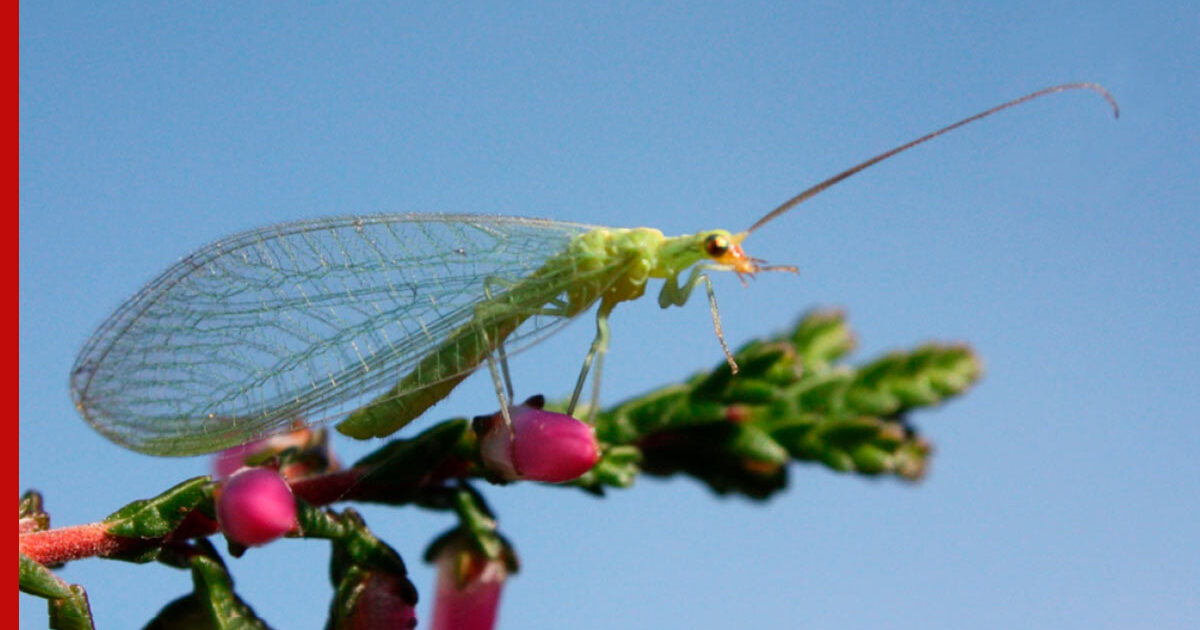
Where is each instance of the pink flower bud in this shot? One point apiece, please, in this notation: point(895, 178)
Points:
point(542, 446)
point(468, 590)
point(256, 506)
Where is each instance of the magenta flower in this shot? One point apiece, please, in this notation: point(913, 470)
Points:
point(256, 506)
point(542, 446)
point(468, 589)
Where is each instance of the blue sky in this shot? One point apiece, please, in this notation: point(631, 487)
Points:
point(1063, 245)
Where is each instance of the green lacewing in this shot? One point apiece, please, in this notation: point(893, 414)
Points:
point(375, 318)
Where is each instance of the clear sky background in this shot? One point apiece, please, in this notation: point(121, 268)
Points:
point(1063, 245)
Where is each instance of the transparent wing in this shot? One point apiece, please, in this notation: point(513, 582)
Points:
point(300, 320)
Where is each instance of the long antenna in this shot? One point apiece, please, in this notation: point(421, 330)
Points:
point(813, 191)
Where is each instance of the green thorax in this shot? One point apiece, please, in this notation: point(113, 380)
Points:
point(615, 263)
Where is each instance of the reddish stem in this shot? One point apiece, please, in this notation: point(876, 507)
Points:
point(64, 544)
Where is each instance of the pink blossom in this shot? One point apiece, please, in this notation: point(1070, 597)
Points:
point(542, 446)
point(468, 589)
point(256, 506)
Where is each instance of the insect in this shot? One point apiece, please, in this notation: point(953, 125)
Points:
point(312, 319)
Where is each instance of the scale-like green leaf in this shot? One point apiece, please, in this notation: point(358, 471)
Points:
point(159, 516)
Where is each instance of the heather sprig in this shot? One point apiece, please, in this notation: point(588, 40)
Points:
point(794, 399)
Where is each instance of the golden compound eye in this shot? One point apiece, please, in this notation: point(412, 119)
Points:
point(716, 245)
